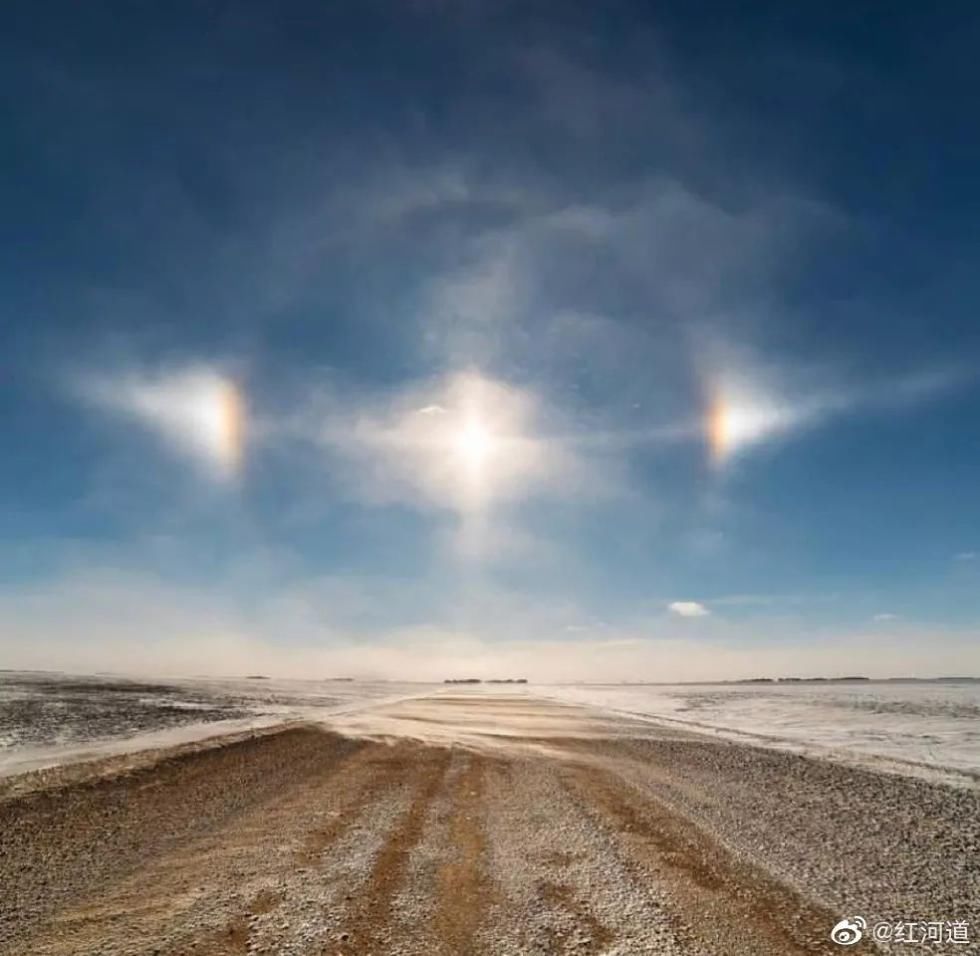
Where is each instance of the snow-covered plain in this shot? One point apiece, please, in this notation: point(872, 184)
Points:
point(929, 728)
point(897, 725)
point(48, 719)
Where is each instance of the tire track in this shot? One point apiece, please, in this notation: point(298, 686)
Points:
point(372, 773)
point(235, 939)
point(563, 890)
point(67, 853)
point(204, 895)
point(587, 935)
point(728, 904)
point(463, 891)
point(366, 778)
point(368, 923)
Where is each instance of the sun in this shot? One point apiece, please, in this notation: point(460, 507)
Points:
point(474, 444)
point(468, 443)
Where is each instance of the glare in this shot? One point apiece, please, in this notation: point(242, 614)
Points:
point(474, 443)
point(467, 443)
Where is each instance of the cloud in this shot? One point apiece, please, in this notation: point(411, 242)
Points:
point(966, 556)
point(498, 538)
point(885, 616)
point(668, 252)
point(770, 600)
point(688, 609)
point(198, 410)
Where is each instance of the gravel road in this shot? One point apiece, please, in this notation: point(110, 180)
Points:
point(476, 824)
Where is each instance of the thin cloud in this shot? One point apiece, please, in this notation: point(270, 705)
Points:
point(770, 600)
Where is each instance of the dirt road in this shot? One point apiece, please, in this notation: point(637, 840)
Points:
point(471, 825)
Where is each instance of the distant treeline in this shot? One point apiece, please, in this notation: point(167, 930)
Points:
point(794, 680)
point(477, 680)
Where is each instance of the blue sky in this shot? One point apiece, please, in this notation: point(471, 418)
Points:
point(437, 338)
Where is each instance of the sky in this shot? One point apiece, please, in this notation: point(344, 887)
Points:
point(437, 339)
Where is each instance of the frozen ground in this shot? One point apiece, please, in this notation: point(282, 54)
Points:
point(903, 726)
point(915, 728)
point(48, 719)
point(53, 709)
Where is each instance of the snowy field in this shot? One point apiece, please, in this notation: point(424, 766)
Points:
point(898, 725)
point(907, 727)
point(47, 719)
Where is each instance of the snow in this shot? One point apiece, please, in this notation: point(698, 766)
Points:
point(896, 725)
